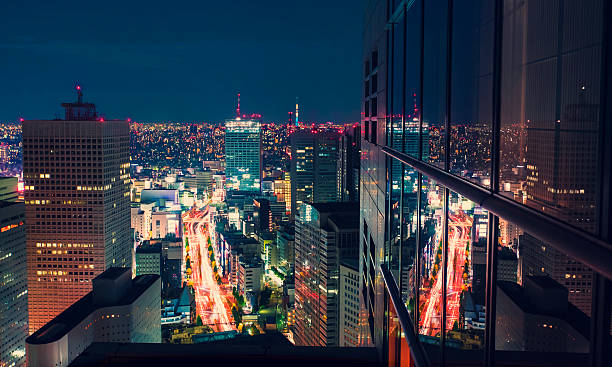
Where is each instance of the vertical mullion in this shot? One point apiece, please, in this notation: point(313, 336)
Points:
point(417, 265)
point(449, 55)
point(449, 52)
point(600, 354)
point(491, 291)
point(493, 221)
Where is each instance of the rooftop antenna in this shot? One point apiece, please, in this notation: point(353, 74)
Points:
point(238, 108)
point(80, 94)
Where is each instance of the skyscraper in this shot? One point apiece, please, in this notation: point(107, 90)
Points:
point(325, 235)
point(13, 286)
point(348, 163)
point(76, 174)
point(314, 160)
point(243, 153)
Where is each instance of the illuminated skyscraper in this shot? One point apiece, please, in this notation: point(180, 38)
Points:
point(314, 167)
point(76, 174)
point(325, 235)
point(243, 152)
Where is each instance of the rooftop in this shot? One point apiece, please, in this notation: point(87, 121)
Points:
point(73, 315)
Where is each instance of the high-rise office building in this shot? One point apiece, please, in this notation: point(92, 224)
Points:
point(314, 167)
point(13, 286)
point(349, 155)
point(118, 309)
point(76, 173)
point(243, 154)
point(325, 235)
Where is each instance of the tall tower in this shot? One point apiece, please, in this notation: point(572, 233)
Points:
point(76, 174)
point(314, 168)
point(297, 111)
point(243, 152)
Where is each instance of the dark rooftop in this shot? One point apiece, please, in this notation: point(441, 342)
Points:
point(252, 351)
point(111, 273)
point(573, 316)
point(73, 315)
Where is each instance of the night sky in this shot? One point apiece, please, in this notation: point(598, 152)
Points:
point(182, 60)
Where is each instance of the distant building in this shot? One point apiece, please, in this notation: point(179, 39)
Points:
point(118, 309)
point(149, 258)
point(13, 287)
point(282, 190)
point(349, 158)
point(243, 154)
point(8, 189)
point(325, 233)
point(314, 168)
point(85, 227)
point(537, 317)
point(250, 275)
point(172, 259)
point(178, 306)
point(285, 243)
point(202, 180)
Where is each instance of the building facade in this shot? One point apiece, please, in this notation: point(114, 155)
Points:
point(76, 173)
point(314, 168)
point(483, 135)
point(243, 154)
point(118, 309)
point(13, 287)
point(325, 234)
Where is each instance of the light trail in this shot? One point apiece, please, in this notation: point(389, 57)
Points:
point(459, 230)
point(210, 299)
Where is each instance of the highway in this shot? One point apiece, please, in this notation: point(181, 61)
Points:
point(211, 299)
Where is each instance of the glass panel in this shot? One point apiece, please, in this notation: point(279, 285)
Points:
point(393, 335)
point(543, 299)
point(398, 84)
point(434, 81)
point(409, 230)
point(394, 218)
point(466, 276)
point(405, 357)
point(471, 90)
point(430, 253)
point(413, 77)
point(550, 107)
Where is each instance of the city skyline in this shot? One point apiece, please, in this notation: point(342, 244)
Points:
point(149, 62)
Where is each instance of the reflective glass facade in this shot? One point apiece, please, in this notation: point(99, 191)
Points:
point(485, 189)
point(243, 154)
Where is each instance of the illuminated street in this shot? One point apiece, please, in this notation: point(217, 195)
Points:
point(459, 229)
point(211, 301)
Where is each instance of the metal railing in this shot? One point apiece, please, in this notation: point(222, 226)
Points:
point(419, 358)
point(581, 246)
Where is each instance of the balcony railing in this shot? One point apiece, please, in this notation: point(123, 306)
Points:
point(403, 347)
